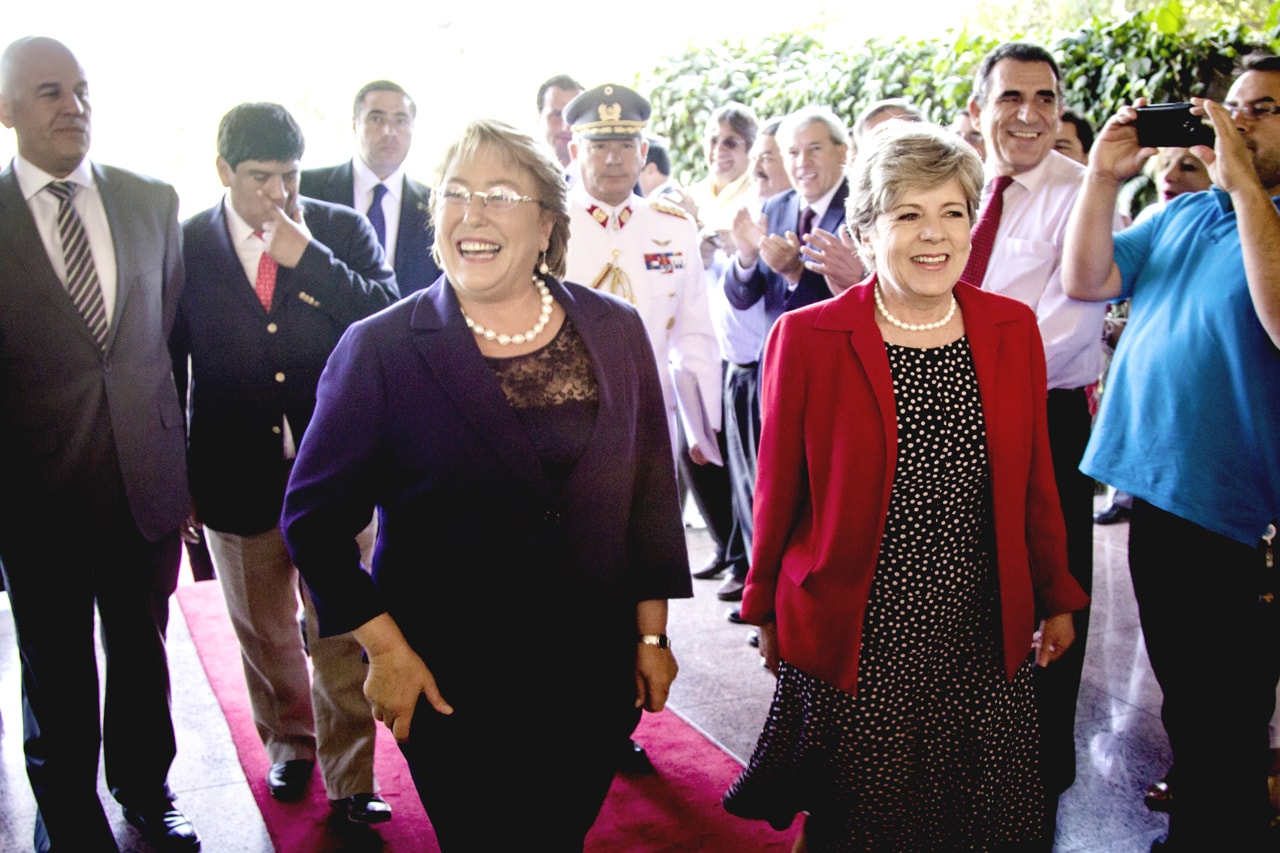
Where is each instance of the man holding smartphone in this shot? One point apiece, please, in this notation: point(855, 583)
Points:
point(1190, 425)
point(273, 280)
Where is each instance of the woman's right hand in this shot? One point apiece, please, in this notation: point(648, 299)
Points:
point(397, 676)
point(769, 646)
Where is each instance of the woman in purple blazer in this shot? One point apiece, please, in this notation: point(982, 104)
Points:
point(510, 431)
point(908, 535)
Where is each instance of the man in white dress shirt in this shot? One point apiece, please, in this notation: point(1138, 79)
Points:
point(1017, 104)
point(374, 182)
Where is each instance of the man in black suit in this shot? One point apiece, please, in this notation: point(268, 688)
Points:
point(273, 280)
point(374, 183)
point(91, 455)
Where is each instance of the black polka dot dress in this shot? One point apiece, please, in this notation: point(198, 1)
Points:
point(938, 750)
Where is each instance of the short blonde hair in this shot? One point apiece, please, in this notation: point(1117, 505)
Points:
point(519, 149)
point(902, 156)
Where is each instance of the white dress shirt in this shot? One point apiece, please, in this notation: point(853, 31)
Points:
point(1026, 264)
point(87, 202)
point(363, 181)
point(741, 333)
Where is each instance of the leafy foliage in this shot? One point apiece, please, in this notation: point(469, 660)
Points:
point(1198, 18)
point(1105, 64)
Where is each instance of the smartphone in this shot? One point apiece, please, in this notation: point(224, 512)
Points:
point(1172, 126)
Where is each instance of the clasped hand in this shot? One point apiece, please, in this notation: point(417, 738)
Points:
point(835, 258)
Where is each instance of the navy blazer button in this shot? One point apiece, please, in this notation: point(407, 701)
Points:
point(551, 517)
point(272, 328)
point(276, 430)
point(279, 377)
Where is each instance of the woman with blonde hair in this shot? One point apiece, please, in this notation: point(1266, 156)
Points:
point(908, 535)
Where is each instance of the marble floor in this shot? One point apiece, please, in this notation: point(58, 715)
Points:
point(722, 690)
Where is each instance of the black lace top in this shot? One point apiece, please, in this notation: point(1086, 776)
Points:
point(555, 395)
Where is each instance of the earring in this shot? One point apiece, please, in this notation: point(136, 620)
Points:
point(542, 264)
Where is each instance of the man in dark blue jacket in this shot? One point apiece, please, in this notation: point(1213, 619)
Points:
point(273, 280)
point(374, 182)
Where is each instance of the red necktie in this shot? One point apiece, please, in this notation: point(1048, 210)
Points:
point(265, 285)
point(983, 238)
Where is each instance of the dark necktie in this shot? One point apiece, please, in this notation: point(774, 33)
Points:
point(82, 276)
point(376, 219)
point(806, 222)
point(265, 284)
point(983, 238)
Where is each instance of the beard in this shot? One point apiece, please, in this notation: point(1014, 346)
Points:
point(1267, 165)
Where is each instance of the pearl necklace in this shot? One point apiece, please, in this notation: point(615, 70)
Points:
point(544, 317)
point(913, 327)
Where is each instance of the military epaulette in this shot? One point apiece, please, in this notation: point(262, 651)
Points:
point(669, 208)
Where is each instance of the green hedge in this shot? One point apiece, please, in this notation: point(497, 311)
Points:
point(1104, 64)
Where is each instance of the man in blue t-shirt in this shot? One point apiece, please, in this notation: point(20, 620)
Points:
point(1190, 425)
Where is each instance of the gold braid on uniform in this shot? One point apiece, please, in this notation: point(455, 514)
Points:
point(613, 279)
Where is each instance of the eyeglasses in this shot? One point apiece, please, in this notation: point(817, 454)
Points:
point(1255, 111)
point(501, 198)
point(733, 143)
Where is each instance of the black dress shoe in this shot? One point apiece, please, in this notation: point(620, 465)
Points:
point(730, 590)
point(1111, 515)
point(713, 569)
point(164, 827)
point(634, 759)
point(287, 780)
point(364, 808)
point(735, 616)
point(1159, 796)
point(753, 639)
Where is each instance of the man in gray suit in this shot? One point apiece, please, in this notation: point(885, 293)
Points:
point(91, 455)
point(374, 182)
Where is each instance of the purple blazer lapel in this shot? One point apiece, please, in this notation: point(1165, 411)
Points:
point(448, 347)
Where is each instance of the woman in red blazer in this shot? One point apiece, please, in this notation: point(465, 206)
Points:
point(908, 534)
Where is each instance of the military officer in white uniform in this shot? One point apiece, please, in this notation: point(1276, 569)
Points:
point(645, 251)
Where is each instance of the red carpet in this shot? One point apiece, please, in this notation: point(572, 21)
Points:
point(677, 808)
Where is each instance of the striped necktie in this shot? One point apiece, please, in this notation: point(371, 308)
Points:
point(82, 276)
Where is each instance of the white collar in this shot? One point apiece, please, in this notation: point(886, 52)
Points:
point(363, 180)
point(32, 179)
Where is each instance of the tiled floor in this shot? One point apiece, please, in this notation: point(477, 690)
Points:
point(722, 690)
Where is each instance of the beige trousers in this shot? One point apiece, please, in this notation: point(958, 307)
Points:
point(322, 717)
